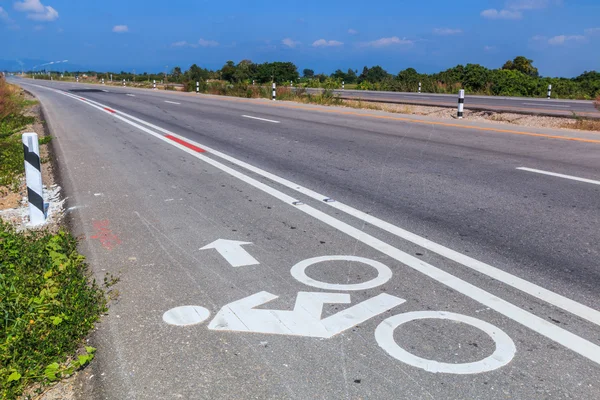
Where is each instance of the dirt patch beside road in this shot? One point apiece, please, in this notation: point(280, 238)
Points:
point(505, 118)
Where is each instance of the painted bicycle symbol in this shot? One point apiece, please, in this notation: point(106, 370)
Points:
point(305, 319)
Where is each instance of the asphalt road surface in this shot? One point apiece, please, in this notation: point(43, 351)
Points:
point(271, 250)
point(559, 107)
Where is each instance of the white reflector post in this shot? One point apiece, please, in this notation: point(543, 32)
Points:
point(33, 176)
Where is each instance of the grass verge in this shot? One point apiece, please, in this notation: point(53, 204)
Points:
point(47, 303)
point(48, 306)
point(12, 121)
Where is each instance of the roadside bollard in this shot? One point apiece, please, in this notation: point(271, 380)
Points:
point(111, 78)
point(103, 81)
point(252, 82)
point(343, 85)
point(123, 82)
point(274, 91)
point(154, 84)
point(419, 87)
point(549, 91)
point(33, 177)
point(77, 79)
point(197, 87)
point(461, 103)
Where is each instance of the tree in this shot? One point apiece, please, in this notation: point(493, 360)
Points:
point(308, 73)
point(339, 75)
point(522, 64)
point(228, 71)
point(176, 74)
point(244, 71)
point(351, 76)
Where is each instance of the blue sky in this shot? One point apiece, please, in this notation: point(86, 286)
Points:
point(561, 36)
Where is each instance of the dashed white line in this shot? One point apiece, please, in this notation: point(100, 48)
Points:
point(171, 102)
point(545, 105)
point(131, 95)
point(571, 177)
point(260, 119)
point(105, 91)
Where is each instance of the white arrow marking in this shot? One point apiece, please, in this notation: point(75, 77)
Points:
point(232, 251)
point(305, 319)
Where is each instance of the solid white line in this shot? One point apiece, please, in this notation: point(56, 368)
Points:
point(131, 95)
point(105, 91)
point(542, 326)
point(261, 119)
point(171, 102)
point(530, 288)
point(545, 105)
point(573, 178)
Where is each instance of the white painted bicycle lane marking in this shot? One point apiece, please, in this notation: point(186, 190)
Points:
point(502, 355)
point(304, 319)
point(527, 319)
point(233, 252)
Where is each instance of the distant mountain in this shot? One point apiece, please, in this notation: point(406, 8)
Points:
point(27, 64)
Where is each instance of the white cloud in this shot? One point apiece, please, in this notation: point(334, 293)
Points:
point(326, 43)
point(492, 13)
point(489, 48)
point(4, 16)
point(388, 41)
point(446, 31)
point(182, 43)
point(207, 43)
point(539, 38)
point(352, 31)
point(36, 10)
point(120, 28)
point(290, 43)
point(563, 39)
point(30, 5)
point(592, 31)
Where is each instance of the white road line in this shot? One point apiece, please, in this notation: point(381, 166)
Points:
point(261, 119)
point(516, 282)
point(573, 178)
point(131, 95)
point(545, 105)
point(540, 325)
point(105, 91)
point(171, 102)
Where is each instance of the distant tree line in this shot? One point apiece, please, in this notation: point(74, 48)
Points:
point(516, 77)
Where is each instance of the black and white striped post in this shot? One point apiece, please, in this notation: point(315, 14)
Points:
point(549, 91)
point(343, 85)
point(154, 84)
point(419, 87)
point(77, 79)
point(252, 82)
point(274, 91)
point(197, 87)
point(103, 81)
point(111, 78)
point(123, 82)
point(33, 176)
point(461, 103)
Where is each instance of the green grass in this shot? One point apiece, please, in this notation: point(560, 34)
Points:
point(48, 306)
point(12, 121)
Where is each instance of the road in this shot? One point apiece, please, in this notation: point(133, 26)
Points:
point(552, 107)
point(272, 250)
